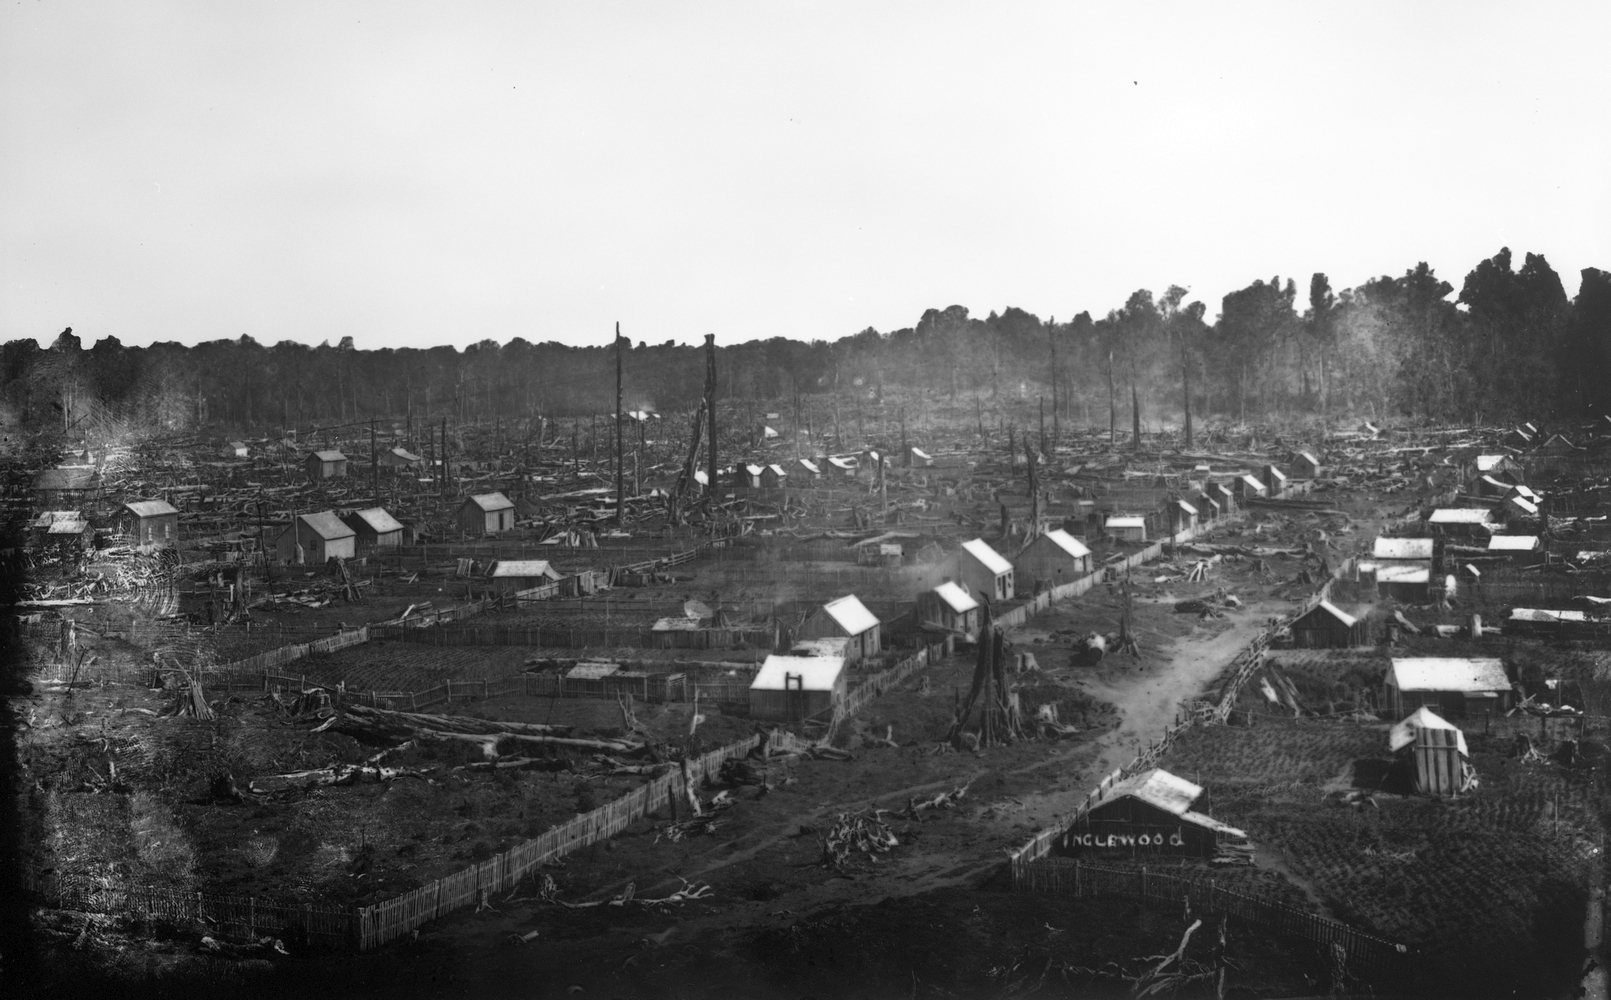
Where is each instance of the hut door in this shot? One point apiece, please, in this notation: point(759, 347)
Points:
point(794, 696)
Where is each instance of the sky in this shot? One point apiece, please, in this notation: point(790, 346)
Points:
point(419, 174)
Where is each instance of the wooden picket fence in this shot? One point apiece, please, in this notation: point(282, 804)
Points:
point(1365, 952)
point(571, 638)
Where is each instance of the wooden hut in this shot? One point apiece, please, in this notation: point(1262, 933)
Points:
point(791, 688)
point(374, 528)
point(1126, 528)
point(1416, 549)
point(237, 449)
point(400, 459)
point(1435, 749)
point(1182, 516)
point(326, 464)
point(845, 617)
point(1051, 559)
point(1461, 522)
point(917, 458)
point(774, 477)
point(1326, 626)
point(950, 607)
point(486, 514)
point(1226, 496)
point(1249, 487)
point(150, 522)
point(509, 575)
point(985, 570)
point(1307, 464)
point(1456, 687)
point(312, 539)
point(1275, 481)
point(1148, 814)
point(806, 470)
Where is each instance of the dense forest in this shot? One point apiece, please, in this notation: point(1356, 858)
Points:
point(1508, 344)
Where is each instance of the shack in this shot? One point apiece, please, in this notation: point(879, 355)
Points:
point(374, 528)
point(1275, 481)
point(509, 575)
point(845, 617)
point(311, 539)
point(792, 688)
point(1208, 508)
point(1418, 549)
point(1249, 487)
point(1435, 750)
point(807, 470)
point(1405, 581)
point(773, 477)
point(950, 607)
point(150, 522)
point(1455, 687)
point(1462, 522)
point(1182, 516)
point(237, 449)
point(1326, 626)
point(1307, 465)
point(1226, 497)
point(1518, 439)
point(1054, 558)
point(329, 464)
point(486, 514)
point(917, 458)
point(984, 570)
point(1520, 549)
point(400, 458)
point(840, 468)
point(1149, 813)
point(1126, 528)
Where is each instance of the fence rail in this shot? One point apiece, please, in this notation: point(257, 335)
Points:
point(1072, 877)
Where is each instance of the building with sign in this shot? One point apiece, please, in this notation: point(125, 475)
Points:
point(1148, 813)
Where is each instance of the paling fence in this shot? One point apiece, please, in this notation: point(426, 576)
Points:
point(573, 638)
point(876, 684)
point(1073, 877)
point(365, 927)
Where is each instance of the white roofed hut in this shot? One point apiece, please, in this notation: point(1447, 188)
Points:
point(917, 458)
point(486, 514)
point(1250, 488)
point(846, 618)
point(1520, 549)
point(1454, 687)
point(1419, 549)
point(1326, 626)
point(1307, 465)
point(314, 539)
point(1436, 752)
point(1406, 581)
point(1182, 516)
point(151, 523)
point(1275, 481)
point(400, 458)
point(1148, 814)
point(985, 571)
point(1126, 528)
point(374, 528)
point(950, 607)
point(774, 476)
point(1226, 496)
point(1462, 522)
point(507, 576)
point(327, 464)
point(792, 688)
point(806, 470)
point(1050, 560)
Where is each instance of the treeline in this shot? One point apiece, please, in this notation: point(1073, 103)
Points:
point(1508, 344)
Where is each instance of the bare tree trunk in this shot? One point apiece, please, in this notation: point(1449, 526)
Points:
point(1113, 407)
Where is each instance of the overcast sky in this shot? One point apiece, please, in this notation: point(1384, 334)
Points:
point(414, 174)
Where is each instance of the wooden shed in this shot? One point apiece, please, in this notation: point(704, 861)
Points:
point(1126, 528)
point(1249, 487)
point(774, 477)
point(237, 449)
point(791, 688)
point(1275, 481)
point(984, 570)
point(917, 458)
point(806, 470)
point(1326, 626)
point(1307, 464)
point(150, 522)
point(1404, 580)
point(1208, 508)
point(1226, 497)
point(1456, 687)
point(845, 617)
point(1461, 522)
point(1182, 516)
point(312, 539)
point(509, 575)
point(327, 464)
point(400, 458)
point(374, 528)
point(486, 514)
point(1148, 814)
point(1435, 750)
point(1417, 549)
point(951, 607)
point(1051, 559)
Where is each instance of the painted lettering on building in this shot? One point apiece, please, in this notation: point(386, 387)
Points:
point(1155, 839)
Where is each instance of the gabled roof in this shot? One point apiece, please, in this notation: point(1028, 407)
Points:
point(1328, 608)
point(842, 463)
point(1402, 548)
point(851, 614)
point(491, 501)
point(816, 673)
point(1309, 456)
point(1449, 673)
point(1403, 734)
point(1512, 543)
point(1126, 522)
point(68, 526)
point(810, 466)
point(237, 444)
point(1461, 515)
point(378, 519)
point(1159, 788)
point(955, 597)
point(1488, 463)
point(987, 557)
point(523, 568)
point(1523, 504)
point(1248, 480)
point(1067, 542)
point(776, 470)
point(405, 455)
point(329, 456)
point(1403, 572)
point(151, 508)
point(1277, 473)
point(327, 525)
point(754, 470)
point(1188, 508)
point(919, 452)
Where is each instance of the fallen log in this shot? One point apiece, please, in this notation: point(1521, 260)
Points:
point(340, 774)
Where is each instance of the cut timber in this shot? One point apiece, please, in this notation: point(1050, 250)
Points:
point(379, 725)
